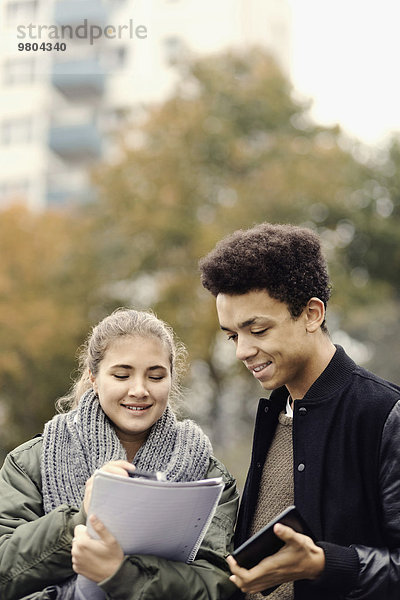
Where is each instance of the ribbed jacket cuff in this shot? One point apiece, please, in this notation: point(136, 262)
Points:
point(341, 570)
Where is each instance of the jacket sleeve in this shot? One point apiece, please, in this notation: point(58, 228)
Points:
point(146, 577)
point(35, 549)
point(377, 569)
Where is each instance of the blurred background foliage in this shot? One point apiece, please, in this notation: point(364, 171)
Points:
point(231, 147)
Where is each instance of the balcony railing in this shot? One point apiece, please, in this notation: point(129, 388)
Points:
point(79, 78)
point(74, 12)
point(76, 142)
point(62, 196)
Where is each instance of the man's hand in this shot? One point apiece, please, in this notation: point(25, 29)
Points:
point(96, 559)
point(299, 558)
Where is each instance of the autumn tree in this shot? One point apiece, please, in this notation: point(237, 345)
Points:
point(368, 265)
point(231, 147)
point(48, 284)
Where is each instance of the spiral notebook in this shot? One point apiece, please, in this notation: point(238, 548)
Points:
point(165, 518)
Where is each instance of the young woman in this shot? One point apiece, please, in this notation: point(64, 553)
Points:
point(119, 417)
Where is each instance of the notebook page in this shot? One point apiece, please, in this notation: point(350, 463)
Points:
point(153, 517)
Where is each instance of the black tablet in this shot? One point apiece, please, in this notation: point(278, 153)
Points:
point(265, 542)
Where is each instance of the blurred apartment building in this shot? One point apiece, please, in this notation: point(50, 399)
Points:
point(60, 107)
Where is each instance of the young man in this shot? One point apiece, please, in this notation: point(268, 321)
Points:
point(328, 437)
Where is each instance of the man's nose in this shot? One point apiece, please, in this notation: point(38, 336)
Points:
point(245, 348)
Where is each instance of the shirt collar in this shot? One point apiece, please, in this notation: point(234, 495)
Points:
point(288, 409)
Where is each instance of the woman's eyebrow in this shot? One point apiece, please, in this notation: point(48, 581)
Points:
point(152, 368)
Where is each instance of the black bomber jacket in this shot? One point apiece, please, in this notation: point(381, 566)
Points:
point(346, 451)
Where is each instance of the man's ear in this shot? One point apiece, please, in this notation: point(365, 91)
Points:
point(315, 314)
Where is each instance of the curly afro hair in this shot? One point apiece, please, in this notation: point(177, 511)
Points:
point(284, 260)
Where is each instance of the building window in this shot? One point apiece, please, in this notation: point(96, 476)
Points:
point(115, 58)
point(18, 71)
point(22, 9)
point(16, 131)
point(13, 189)
point(116, 4)
point(173, 49)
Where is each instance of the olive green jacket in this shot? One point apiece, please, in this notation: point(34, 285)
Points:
point(35, 549)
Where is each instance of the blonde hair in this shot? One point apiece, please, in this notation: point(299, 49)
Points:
point(124, 322)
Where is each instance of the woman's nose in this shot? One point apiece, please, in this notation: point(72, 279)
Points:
point(137, 389)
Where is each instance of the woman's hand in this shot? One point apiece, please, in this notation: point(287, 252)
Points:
point(96, 559)
point(119, 467)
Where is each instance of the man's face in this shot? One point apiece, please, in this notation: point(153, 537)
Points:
point(276, 348)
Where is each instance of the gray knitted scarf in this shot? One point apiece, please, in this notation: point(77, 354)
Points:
point(77, 443)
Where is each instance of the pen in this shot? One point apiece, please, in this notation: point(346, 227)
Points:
point(154, 475)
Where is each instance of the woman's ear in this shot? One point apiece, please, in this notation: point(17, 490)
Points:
point(315, 314)
point(93, 381)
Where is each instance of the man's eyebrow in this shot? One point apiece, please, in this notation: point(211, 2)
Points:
point(244, 324)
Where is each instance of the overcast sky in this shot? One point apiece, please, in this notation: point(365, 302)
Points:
point(346, 55)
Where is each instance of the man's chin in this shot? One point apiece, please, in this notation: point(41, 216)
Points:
point(269, 386)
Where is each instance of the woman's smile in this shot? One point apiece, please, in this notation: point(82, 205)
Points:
point(133, 384)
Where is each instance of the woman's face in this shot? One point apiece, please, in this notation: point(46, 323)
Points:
point(133, 385)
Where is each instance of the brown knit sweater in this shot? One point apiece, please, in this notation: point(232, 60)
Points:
point(276, 492)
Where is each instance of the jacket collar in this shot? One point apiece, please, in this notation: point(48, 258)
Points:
point(332, 379)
